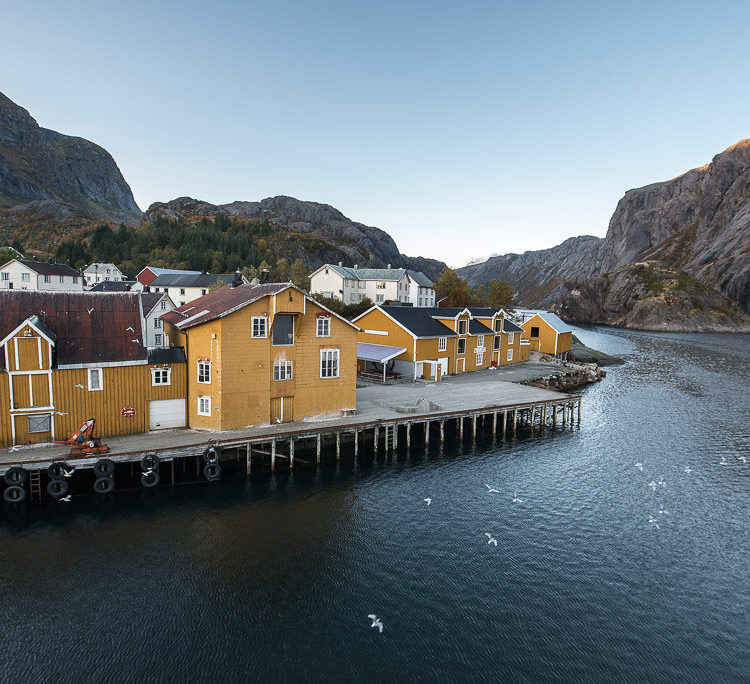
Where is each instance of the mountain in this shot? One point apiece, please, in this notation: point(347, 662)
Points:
point(697, 224)
point(45, 173)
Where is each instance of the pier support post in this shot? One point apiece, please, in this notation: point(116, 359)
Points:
point(461, 427)
point(427, 432)
point(442, 431)
point(291, 453)
point(395, 435)
point(579, 411)
point(249, 457)
point(474, 427)
point(356, 443)
point(338, 445)
point(554, 415)
point(273, 455)
point(317, 448)
point(375, 439)
point(494, 423)
point(505, 421)
point(408, 435)
point(515, 420)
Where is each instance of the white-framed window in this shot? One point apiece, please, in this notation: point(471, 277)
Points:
point(62, 279)
point(498, 325)
point(510, 354)
point(510, 338)
point(283, 330)
point(109, 270)
point(47, 279)
point(361, 284)
point(95, 379)
point(282, 370)
point(480, 340)
point(480, 358)
point(379, 298)
point(329, 363)
point(324, 326)
point(380, 286)
point(75, 280)
point(352, 297)
point(496, 343)
point(24, 277)
point(163, 305)
point(157, 339)
point(204, 405)
point(40, 423)
point(204, 372)
point(442, 343)
point(462, 327)
point(161, 376)
point(461, 346)
point(259, 326)
point(182, 290)
point(157, 323)
point(4, 276)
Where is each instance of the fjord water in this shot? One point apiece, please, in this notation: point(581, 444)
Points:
point(273, 579)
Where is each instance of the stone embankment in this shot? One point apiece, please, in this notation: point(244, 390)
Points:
point(565, 377)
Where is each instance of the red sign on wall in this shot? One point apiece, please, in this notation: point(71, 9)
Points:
point(127, 412)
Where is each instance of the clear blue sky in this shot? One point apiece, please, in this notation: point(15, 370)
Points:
point(463, 129)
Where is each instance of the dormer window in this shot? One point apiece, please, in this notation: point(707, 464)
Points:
point(283, 330)
point(462, 327)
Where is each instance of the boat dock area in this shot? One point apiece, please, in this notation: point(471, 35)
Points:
point(387, 418)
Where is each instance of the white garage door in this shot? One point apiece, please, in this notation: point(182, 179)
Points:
point(166, 413)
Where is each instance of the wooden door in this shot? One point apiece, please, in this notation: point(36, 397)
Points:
point(282, 409)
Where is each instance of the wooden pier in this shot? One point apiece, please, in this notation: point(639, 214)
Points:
point(39, 477)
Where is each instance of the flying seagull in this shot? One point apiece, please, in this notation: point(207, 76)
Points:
point(69, 472)
point(662, 482)
point(81, 386)
point(428, 500)
point(652, 484)
point(490, 538)
point(129, 328)
point(723, 460)
point(653, 521)
point(492, 490)
point(376, 622)
point(516, 498)
point(742, 458)
point(688, 470)
point(66, 499)
point(663, 511)
point(90, 310)
point(639, 466)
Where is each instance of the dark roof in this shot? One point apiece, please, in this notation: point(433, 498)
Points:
point(149, 300)
point(191, 279)
point(112, 286)
point(219, 303)
point(166, 355)
point(89, 327)
point(477, 328)
point(453, 311)
point(511, 327)
point(418, 321)
point(420, 278)
point(45, 268)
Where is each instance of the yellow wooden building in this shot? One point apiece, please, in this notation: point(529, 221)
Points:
point(441, 341)
point(68, 357)
point(259, 354)
point(548, 334)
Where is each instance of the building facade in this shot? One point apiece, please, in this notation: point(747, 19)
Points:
point(548, 333)
point(101, 273)
point(27, 274)
point(184, 287)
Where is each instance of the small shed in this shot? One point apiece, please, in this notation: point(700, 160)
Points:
point(373, 358)
point(548, 334)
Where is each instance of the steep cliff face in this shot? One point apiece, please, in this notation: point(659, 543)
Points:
point(698, 222)
point(45, 173)
point(341, 238)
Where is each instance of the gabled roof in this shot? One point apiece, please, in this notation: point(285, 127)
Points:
point(510, 327)
point(150, 299)
point(478, 328)
point(45, 268)
point(163, 271)
point(554, 321)
point(112, 286)
point(89, 327)
point(100, 268)
point(376, 274)
point(198, 279)
point(35, 323)
point(416, 320)
point(420, 278)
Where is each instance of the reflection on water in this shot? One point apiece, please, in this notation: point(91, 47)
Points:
point(274, 578)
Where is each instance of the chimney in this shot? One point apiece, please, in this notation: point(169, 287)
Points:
point(341, 263)
point(388, 266)
point(49, 261)
point(237, 279)
point(33, 256)
point(356, 266)
point(204, 272)
point(265, 274)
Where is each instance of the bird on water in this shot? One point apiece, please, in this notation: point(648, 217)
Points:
point(428, 500)
point(490, 538)
point(492, 490)
point(376, 622)
point(516, 498)
point(639, 466)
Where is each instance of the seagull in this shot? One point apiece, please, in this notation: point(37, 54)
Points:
point(376, 622)
point(639, 466)
point(61, 413)
point(663, 511)
point(136, 341)
point(492, 490)
point(723, 460)
point(428, 500)
point(129, 328)
point(81, 386)
point(278, 420)
point(490, 538)
point(66, 499)
point(652, 520)
point(742, 458)
point(652, 484)
point(516, 498)
point(688, 470)
point(662, 482)
point(90, 310)
point(68, 473)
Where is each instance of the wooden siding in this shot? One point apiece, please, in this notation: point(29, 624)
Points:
point(396, 337)
point(549, 341)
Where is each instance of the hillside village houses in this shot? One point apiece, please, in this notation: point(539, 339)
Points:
point(29, 274)
point(185, 287)
point(380, 285)
point(436, 342)
point(99, 273)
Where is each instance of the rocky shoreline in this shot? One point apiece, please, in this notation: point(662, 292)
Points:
point(568, 376)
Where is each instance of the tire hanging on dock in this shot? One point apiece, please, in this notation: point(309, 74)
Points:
point(104, 467)
point(149, 462)
point(15, 475)
point(104, 485)
point(212, 471)
point(57, 488)
point(212, 454)
point(150, 478)
point(58, 470)
point(14, 494)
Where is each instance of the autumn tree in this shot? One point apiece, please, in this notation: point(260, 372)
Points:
point(298, 274)
point(500, 295)
point(454, 288)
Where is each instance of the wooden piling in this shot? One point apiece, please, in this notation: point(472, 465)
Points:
point(338, 445)
point(426, 432)
point(375, 439)
point(317, 448)
point(408, 435)
point(273, 455)
point(442, 431)
point(291, 453)
point(356, 443)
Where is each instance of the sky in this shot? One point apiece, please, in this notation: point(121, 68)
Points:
point(463, 129)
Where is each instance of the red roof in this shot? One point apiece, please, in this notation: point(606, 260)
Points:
point(89, 327)
point(220, 302)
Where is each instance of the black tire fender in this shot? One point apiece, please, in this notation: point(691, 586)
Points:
point(57, 488)
point(149, 462)
point(212, 471)
point(104, 485)
point(150, 479)
point(104, 467)
point(15, 475)
point(14, 494)
point(57, 470)
point(212, 454)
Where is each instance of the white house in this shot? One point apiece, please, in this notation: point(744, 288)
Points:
point(98, 273)
point(185, 287)
point(380, 285)
point(27, 274)
point(155, 305)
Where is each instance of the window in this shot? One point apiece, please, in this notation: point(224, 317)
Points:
point(24, 277)
point(379, 298)
point(498, 324)
point(361, 284)
point(329, 363)
point(510, 338)
point(259, 327)
point(62, 279)
point(204, 372)
point(182, 291)
point(324, 326)
point(442, 343)
point(95, 379)
point(380, 286)
point(480, 340)
point(282, 370)
point(534, 331)
point(461, 349)
point(352, 297)
point(47, 279)
point(283, 329)
point(75, 280)
point(203, 292)
point(204, 406)
point(157, 323)
point(157, 339)
point(480, 358)
point(462, 327)
point(163, 305)
point(4, 276)
point(161, 376)
point(109, 271)
point(40, 423)
point(496, 343)
point(510, 354)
